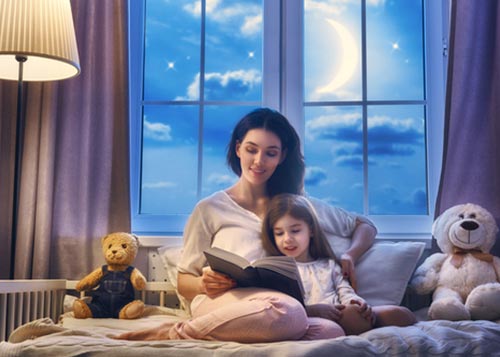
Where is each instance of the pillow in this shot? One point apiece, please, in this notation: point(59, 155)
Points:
point(170, 256)
point(384, 271)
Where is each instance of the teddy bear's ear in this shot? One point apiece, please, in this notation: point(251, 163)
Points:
point(436, 224)
point(441, 226)
point(103, 239)
point(446, 217)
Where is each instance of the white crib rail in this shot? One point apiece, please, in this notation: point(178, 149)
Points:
point(22, 301)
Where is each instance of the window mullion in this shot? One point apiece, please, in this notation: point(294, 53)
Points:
point(292, 81)
point(366, 203)
point(201, 108)
point(272, 54)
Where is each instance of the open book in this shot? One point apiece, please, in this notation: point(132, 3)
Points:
point(277, 272)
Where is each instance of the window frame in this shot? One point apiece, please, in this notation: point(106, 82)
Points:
point(282, 90)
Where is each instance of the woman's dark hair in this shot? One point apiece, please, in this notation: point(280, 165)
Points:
point(299, 208)
point(289, 175)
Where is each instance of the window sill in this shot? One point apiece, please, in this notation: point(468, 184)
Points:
point(151, 241)
point(412, 237)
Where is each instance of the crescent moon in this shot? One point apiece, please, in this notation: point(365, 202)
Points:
point(348, 62)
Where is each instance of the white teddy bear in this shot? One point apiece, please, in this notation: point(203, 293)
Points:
point(465, 278)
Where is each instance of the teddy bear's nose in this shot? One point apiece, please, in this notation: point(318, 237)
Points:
point(469, 225)
point(113, 251)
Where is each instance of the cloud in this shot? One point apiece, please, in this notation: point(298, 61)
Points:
point(157, 131)
point(339, 94)
point(355, 161)
point(391, 201)
point(247, 16)
point(194, 8)
point(338, 7)
point(419, 198)
point(324, 7)
point(328, 126)
point(315, 176)
point(376, 2)
point(358, 186)
point(252, 25)
point(158, 185)
point(218, 85)
point(387, 136)
point(221, 180)
point(383, 129)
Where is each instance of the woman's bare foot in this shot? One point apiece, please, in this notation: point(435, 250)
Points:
point(151, 334)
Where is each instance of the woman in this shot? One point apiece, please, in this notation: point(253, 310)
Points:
point(264, 152)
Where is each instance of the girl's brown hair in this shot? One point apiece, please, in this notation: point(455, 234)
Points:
point(299, 208)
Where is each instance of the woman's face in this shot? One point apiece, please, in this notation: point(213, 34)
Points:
point(260, 152)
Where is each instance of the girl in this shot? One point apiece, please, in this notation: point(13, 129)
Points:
point(291, 228)
point(264, 152)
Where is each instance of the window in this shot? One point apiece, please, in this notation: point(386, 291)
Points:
point(362, 81)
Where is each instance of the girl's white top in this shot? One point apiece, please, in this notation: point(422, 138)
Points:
point(324, 284)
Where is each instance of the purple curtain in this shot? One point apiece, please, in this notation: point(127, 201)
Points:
point(74, 186)
point(471, 158)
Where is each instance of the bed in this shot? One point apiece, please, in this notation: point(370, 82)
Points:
point(36, 319)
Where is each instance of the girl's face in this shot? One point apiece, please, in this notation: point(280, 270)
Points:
point(292, 237)
point(260, 153)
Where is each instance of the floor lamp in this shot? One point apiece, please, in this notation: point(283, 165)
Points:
point(37, 43)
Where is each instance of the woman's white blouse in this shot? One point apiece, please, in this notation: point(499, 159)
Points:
point(220, 222)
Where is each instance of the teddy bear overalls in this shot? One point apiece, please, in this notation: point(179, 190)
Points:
point(114, 292)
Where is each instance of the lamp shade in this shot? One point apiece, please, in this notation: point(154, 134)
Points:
point(42, 31)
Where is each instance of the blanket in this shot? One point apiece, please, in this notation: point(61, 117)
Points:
point(93, 337)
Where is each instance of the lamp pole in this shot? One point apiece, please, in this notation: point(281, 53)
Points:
point(37, 43)
point(17, 160)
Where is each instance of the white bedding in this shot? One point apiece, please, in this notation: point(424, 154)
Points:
point(91, 337)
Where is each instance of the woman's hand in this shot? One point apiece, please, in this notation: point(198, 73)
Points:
point(365, 310)
point(362, 239)
point(348, 271)
point(213, 283)
point(326, 311)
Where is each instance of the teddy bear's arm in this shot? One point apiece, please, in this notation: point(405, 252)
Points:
point(90, 281)
point(426, 276)
point(496, 265)
point(138, 280)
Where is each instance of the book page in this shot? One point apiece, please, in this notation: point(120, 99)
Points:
point(281, 264)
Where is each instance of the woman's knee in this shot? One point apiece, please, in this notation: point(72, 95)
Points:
point(262, 319)
point(286, 316)
point(320, 328)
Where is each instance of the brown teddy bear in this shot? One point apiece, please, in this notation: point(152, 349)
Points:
point(116, 281)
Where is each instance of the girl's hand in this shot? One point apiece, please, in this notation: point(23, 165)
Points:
point(365, 310)
point(347, 263)
point(213, 283)
point(326, 311)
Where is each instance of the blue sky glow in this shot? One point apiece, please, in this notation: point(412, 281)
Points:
point(333, 145)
